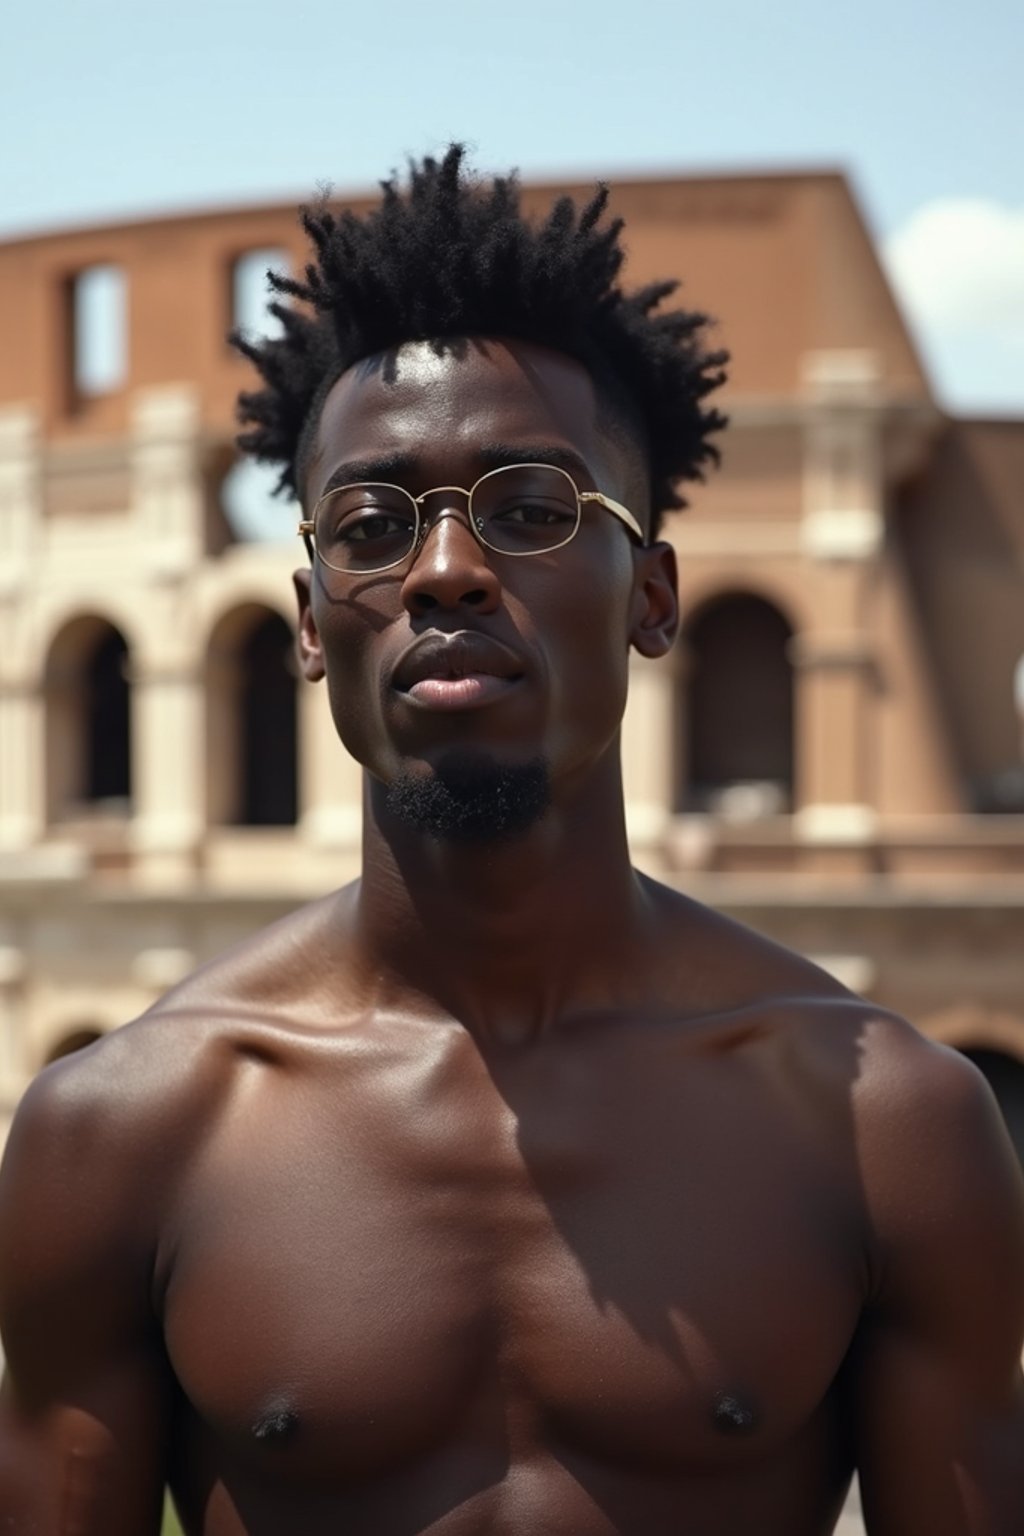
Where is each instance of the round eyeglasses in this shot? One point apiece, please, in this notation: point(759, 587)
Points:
point(519, 509)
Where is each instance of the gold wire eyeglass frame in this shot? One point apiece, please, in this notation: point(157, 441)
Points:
point(307, 526)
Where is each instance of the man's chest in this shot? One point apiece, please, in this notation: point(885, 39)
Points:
point(651, 1272)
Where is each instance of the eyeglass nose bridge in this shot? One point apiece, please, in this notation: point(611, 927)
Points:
point(440, 490)
point(425, 522)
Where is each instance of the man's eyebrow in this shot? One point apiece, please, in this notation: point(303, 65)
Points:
point(495, 455)
point(386, 468)
point(400, 468)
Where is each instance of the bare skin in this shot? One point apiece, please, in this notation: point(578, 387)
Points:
point(507, 1191)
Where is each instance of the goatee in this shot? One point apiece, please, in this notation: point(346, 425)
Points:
point(472, 798)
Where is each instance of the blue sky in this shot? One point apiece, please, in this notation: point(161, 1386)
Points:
point(109, 111)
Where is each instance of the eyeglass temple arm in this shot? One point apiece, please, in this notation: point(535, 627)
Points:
point(614, 506)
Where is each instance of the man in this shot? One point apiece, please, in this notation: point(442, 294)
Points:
point(506, 1190)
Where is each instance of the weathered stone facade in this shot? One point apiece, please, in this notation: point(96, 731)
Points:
point(834, 752)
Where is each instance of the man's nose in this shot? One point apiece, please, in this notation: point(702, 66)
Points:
point(450, 569)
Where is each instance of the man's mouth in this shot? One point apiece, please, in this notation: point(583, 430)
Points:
point(456, 671)
point(460, 692)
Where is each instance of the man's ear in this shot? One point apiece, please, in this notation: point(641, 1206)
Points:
point(655, 601)
point(310, 651)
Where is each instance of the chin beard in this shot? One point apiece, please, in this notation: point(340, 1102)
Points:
point(470, 798)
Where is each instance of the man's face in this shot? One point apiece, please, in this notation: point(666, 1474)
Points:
point(556, 627)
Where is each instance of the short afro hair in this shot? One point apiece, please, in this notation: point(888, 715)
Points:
point(451, 257)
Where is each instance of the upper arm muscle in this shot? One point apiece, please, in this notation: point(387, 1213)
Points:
point(83, 1402)
point(940, 1397)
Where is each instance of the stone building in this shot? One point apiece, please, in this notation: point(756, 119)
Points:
point(834, 753)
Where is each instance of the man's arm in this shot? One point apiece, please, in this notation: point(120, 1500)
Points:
point(83, 1406)
point(940, 1398)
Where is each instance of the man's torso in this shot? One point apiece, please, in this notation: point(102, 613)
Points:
point(604, 1284)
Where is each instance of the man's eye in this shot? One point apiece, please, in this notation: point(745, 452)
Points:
point(374, 525)
point(537, 514)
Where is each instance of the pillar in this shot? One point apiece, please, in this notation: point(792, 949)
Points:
point(330, 779)
point(649, 753)
point(22, 808)
point(168, 512)
point(841, 537)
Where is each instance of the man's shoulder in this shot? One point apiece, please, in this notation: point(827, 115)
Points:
point(720, 965)
point(931, 1151)
point(265, 974)
point(929, 1130)
point(942, 1195)
point(880, 1060)
point(109, 1117)
point(139, 1098)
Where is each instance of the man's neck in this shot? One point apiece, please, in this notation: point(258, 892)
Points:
point(508, 936)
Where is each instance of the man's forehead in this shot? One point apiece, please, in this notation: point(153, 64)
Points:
point(423, 377)
point(422, 397)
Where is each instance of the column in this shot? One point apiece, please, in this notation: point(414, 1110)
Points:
point(14, 1068)
point(22, 765)
point(331, 781)
point(649, 753)
point(22, 778)
point(841, 537)
point(168, 510)
point(168, 494)
point(167, 769)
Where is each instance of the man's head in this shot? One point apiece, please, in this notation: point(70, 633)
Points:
point(449, 338)
point(451, 257)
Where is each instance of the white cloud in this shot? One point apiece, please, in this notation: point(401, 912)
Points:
point(958, 268)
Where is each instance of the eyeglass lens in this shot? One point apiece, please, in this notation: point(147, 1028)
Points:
point(518, 510)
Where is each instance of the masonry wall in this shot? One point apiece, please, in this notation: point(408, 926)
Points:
point(879, 544)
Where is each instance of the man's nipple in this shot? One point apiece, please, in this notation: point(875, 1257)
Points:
point(276, 1423)
point(734, 1414)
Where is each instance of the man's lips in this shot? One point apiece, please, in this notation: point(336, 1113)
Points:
point(463, 667)
point(459, 692)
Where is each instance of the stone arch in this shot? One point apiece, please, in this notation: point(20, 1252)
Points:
point(698, 589)
point(736, 742)
point(252, 724)
point(87, 692)
point(51, 627)
point(968, 1026)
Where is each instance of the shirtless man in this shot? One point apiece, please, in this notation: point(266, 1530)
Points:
point(505, 1191)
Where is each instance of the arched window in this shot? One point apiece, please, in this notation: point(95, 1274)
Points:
point(1005, 1076)
point(1002, 792)
point(88, 699)
point(268, 725)
point(108, 769)
point(737, 709)
point(252, 721)
point(251, 293)
point(99, 331)
point(251, 509)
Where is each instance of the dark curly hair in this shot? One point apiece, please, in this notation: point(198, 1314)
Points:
point(449, 256)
